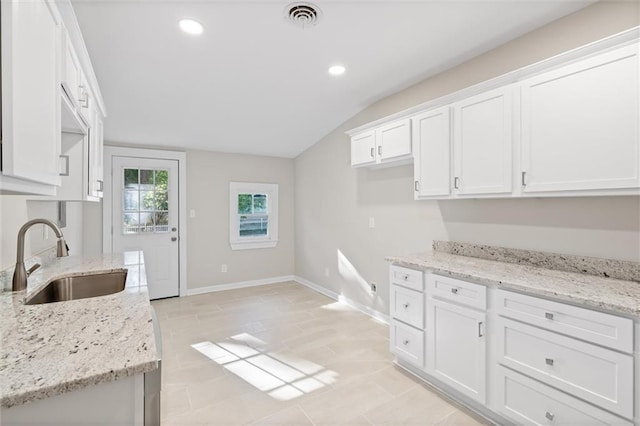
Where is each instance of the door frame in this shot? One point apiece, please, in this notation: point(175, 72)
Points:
point(107, 201)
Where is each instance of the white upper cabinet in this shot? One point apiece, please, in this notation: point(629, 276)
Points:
point(432, 147)
point(363, 149)
point(71, 71)
point(580, 125)
point(82, 154)
point(48, 91)
point(483, 139)
point(387, 144)
point(394, 141)
point(96, 149)
point(30, 94)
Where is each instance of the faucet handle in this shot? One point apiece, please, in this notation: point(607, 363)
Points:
point(32, 269)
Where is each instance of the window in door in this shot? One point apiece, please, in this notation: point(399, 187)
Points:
point(145, 201)
point(253, 215)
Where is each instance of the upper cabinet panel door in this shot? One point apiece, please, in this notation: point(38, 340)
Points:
point(483, 143)
point(394, 140)
point(580, 125)
point(363, 149)
point(432, 146)
point(31, 91)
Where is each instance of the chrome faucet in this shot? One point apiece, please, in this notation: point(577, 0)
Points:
point(20, 274)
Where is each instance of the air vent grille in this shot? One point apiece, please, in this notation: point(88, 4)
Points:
point(303, 14)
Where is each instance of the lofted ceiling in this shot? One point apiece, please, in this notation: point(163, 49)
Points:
point(255, 83)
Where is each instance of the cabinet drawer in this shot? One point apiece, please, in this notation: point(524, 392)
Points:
point(597, 327)
point(458, 291)
point(407, 343)
point(407, 306)
point(529, 402)
point(406, 277)
point(597, 375)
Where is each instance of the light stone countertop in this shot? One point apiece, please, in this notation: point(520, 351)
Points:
point(53, 348)
point(604, 294)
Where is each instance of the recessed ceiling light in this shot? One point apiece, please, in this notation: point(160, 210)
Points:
point(190, 26)
point(337, 70)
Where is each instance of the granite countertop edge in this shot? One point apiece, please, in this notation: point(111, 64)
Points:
point(21, 365)
point(434, 262)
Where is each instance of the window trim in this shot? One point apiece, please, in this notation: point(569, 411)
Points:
point(245, 243)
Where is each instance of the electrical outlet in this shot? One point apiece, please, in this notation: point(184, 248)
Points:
point(45, 232)
point(192, 213)
point(372, 222)
point(223, 267)
point(374, 287)
point(326, 272)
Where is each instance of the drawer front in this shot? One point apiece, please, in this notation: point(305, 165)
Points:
point(407, 343)
point(597, 375)
point(529, 402)
point(458, 291)
point(407, 306)
point(406, 277)
point(597, 327)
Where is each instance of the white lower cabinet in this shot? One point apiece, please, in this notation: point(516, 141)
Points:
point(407, 306)
point(407, 343)
point(529, 402)
point(456, 347)
point(597, 375)
point(539, 362)
point(120, 402)
point(407, 312)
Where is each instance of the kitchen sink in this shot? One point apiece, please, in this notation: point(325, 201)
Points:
point(80, 287)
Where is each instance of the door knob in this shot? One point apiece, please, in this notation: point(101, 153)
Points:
point(174, 229)
point(174, 238)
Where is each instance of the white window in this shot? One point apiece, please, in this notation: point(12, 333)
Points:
point(253, 214)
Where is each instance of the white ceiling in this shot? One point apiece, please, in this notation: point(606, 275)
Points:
point(255, 83)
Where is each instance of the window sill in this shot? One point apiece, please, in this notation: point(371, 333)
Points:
point(248, 245)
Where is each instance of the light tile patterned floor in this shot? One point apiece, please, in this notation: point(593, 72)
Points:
point(285, 355)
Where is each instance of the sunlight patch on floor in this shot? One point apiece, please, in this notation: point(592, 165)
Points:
point(281, 376)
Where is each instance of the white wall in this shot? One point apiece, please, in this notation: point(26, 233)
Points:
point(334, 202)
point(16, 210)
point(208, 177)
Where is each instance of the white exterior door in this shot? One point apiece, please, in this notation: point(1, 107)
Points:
point(145, 217)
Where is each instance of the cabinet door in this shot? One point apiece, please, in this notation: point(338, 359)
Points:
point(96, 148)
point(456, 352)
point(483, 143)
point(394, 140)
point(580, 125)
point(71, 71)
point(31, 91)
point(363, 149)
point(432, 145)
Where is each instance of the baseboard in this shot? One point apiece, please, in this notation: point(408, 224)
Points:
point(241, 284)
point(315, 287)
point(340, 298)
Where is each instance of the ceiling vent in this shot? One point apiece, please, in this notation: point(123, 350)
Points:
point(303, 14)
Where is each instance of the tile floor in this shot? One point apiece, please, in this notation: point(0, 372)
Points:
point(285, 355)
